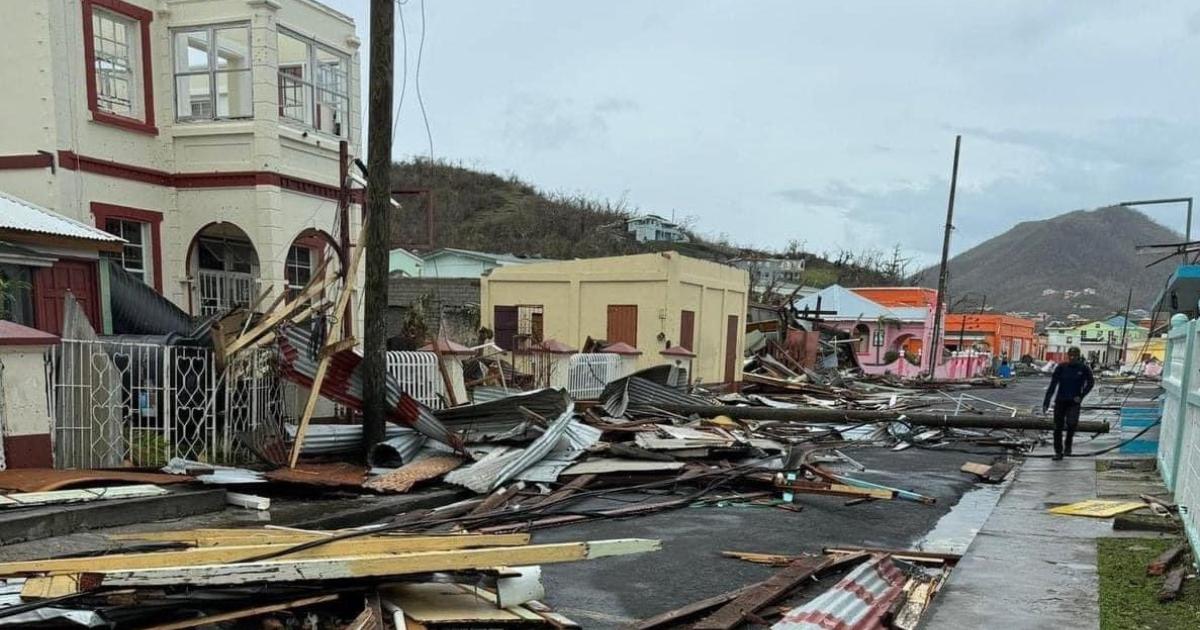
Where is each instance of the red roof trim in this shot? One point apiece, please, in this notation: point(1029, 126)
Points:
point(621, 348)
point(229, 179)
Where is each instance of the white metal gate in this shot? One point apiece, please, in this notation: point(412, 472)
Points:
point(588, 373)
point(418, 374)
point(145, 403)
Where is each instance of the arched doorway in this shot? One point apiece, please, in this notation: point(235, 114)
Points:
point(223, 269)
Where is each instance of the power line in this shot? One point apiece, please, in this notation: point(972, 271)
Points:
point(404, 65)
point(420, 100)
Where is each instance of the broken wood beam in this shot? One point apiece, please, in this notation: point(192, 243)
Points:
point(227, 554)
point(364, 566)
point(776, 587)
point(310, 406)
point(1163, 562)
point(834, 489)
point(841, 416)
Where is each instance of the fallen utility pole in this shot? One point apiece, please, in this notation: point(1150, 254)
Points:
point(846, 416)
point(379, 209)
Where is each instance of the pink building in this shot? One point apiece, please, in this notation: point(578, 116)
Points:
point(884, 335)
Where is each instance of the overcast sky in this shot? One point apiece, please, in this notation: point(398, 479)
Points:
point(828, 122)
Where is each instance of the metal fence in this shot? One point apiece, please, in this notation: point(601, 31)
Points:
point(144, 403)
point(418, 374)
point(1179, 434)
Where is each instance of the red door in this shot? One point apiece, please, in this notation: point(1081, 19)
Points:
point(732, 331)
point(687, 330)
point(622, 324)
point(50, 286)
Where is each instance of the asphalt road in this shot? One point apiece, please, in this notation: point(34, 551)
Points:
point(611, 592)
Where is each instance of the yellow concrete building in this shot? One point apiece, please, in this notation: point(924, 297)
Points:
point(650, 301)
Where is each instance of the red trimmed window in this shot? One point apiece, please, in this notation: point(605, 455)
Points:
point(116, 48)
point(141, 255)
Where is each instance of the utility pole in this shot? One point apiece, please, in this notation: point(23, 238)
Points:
point(1125, 330)
point(379, 210)
point(935, 352)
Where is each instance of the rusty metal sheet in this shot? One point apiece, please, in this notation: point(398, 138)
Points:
point(44, 479)
point(405, 477)
point(339, 474)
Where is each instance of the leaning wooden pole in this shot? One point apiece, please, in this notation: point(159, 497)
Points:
point(935, 349)
point(379, 208)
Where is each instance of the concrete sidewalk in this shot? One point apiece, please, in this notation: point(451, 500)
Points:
point(1027, 568)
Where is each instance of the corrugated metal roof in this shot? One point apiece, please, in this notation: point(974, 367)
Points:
point(858, 602)
point(18, 214)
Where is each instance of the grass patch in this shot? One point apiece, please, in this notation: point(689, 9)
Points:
point(1129, 597)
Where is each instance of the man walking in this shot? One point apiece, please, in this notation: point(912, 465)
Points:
point(1073, 380)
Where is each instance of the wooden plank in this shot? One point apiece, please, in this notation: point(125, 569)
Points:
point(672, 618)
point(374, 565)
point(835, 489)
point(912, 555)
point(50, 587)
point(1172, 585)
point(976, 469)
point(773, 589)
point(773, 559)
point(226, 554)
point(248, 501)
point(1159, 565)
point(310, 406)
point(244, 613)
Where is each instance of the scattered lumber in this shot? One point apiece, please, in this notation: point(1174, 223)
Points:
point(361, 566)
point(908, 555)
point(244, 613)
point(671, 618)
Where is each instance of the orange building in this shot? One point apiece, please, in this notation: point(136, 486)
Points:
point(899, 296)
point(1002, 335)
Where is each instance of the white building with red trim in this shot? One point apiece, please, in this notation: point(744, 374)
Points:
point(205, 133)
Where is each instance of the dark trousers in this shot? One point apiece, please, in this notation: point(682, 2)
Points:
point(1066, 414)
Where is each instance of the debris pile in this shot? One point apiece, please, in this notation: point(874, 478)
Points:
point(290, 578)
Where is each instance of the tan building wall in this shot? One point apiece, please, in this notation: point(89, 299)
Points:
point(247, 162)
point(575, 296)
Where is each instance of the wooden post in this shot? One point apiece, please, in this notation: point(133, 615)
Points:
point(379, 207)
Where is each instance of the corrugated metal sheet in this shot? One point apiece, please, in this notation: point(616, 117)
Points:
point(334, 439)
point(634, 392)
point(397, 451)
point(565, 437)
point(858, 602)
point(18, 214)
point(485, 421)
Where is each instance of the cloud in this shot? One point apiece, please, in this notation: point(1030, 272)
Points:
point(541, 123)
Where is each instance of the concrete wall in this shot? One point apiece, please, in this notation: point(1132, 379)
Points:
point(27, 423)
point(575, 296)
point(452, 300)
point(44, 54)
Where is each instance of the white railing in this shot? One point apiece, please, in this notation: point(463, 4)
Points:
point(418, 374)
point(219, 291)
point(115, 402)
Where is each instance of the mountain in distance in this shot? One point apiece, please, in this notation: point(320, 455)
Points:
point(1082, 262)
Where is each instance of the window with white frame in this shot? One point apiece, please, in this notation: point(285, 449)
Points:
point(116, 52)
point(134, 254)
point(314, 84)
point(212, 72)
point(299, 268)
